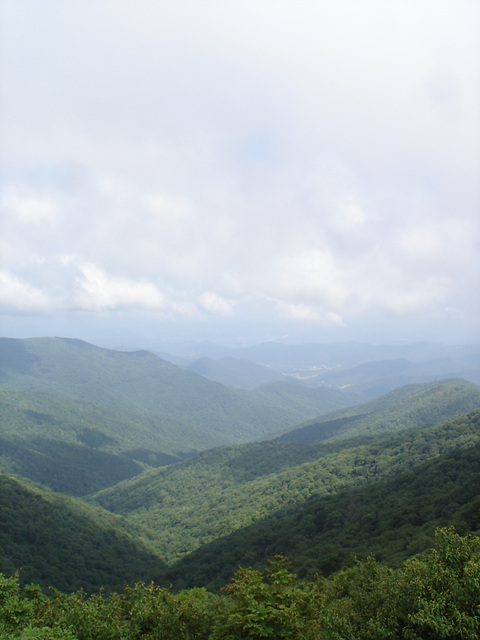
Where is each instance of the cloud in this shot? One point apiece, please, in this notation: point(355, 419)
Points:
point(17, 296)
point(96, 291)
point(313, 161)
point(30, 208)
point(214, 304)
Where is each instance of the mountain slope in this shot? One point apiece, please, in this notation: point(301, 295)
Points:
point(407, 406)
point(306, 400)
point(373, 379)
point(139, 381)
point(371, 370)
point(59, 541)
point(234, 372)
point(394, 519)
point(76, 447)
point(221, 491)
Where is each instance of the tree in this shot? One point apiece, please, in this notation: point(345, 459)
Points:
point(445, 589)
point(266, 604)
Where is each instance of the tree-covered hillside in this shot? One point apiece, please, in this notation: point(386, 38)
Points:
point(221, 491)
point(234, 372)
point(373, 379)
point(392, 518)
point(307, 400)
point(107, 426)
point(60, 541)
point(407, 406)
point(366, 369)
point(432, 595)
point(141, 381)
point(76, 447)
point(377, 497)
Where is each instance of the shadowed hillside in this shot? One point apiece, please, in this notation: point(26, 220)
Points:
point(60, 541)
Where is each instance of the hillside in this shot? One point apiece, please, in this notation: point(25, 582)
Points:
point(234, 372)
point(60, 541)
point(140, 381)
point(393, 519)
point(385, 495)
point(405, 407)
point(76, 447)
point(306, 400)
point(220, 491)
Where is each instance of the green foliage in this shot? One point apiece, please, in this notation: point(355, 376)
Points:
point(56, 540)
point(17, 615)
point(14, 610)
point(434, 595)
point(142, 382)
point(141, 612)
point(408, 406)
point(445, 589)
point(264, 605)
point(225, 490)
point(394, 518)
point(78, 447)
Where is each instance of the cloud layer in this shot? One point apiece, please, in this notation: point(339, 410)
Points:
point(307, 161)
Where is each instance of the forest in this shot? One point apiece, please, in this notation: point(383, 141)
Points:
point(433, 595)
point(140, 499)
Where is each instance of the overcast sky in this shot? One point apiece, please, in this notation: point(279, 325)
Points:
point(241, 169)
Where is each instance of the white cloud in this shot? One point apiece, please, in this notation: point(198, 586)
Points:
point(97, 291)
point(211, 157)
point(215, 304)
point(19, 296)
point(29, 208)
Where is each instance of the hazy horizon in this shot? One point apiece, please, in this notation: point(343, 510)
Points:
point(240, 172)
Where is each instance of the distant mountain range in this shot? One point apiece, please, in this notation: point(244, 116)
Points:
point(370, 370)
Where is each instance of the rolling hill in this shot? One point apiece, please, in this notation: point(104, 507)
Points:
point(393, 518)
point(234, 372)
point(141, 381)
point(58, 540)
point(226, 489)
point(320, 505)
point(371, 370)
point(404, 407)
point(76, 447)
point(181, 480)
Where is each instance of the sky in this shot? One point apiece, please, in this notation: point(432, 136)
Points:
point(240, 170)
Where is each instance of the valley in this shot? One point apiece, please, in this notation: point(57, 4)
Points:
point(122, 466)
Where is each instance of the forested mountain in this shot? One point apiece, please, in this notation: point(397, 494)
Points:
point(224, 490)
point(377, 378)
point(192, 485)
point(281, 356)
point(392, 518)
point(141, 381)
point(385, 495)
point(76, 447)
point(407, 406)
point(432, 595)
point(234, 372)
point(302, 399)
point(60, 541)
